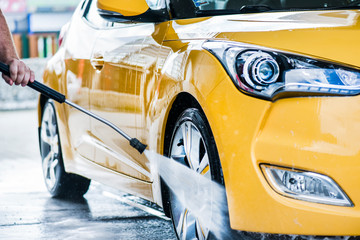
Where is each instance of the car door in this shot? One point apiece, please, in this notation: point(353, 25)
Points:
point(116, 94)
point(78, 74)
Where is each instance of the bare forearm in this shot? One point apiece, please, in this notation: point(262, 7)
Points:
point(7, 48)
point(20, 73)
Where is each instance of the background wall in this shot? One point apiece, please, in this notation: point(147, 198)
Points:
point(35, 25)
point(17, 97)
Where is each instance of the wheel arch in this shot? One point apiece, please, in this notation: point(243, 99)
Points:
point(59, 112)
point(182, 102)
point(42, 101)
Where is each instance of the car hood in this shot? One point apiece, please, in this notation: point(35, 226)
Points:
point(328, 35)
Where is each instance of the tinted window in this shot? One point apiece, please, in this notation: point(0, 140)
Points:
point(198, 8)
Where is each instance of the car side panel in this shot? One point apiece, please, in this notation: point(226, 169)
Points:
point(77, 77)
point(71, 72)
point(116, 94)
point(68, 73)
point(183, 67)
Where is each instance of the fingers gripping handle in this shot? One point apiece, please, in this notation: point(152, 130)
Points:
point(37, 86)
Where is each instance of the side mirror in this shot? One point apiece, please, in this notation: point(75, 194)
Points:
point(134, 10)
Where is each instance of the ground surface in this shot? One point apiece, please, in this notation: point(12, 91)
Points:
point(28, 212)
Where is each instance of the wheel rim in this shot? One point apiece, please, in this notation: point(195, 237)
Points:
point(49, 146)
point(189, 149)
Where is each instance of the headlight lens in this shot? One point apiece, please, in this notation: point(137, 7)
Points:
point(266, 73)
point(307, 186)
point(258, 69)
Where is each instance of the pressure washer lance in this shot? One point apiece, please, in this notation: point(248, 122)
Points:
point(60, 98)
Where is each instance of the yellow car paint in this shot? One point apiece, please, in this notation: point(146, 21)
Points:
point(128, 8)
point(136, 91)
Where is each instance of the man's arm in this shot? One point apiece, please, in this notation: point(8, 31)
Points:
point(20, 73)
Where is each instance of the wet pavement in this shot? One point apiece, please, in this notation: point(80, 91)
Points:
point(28, 212)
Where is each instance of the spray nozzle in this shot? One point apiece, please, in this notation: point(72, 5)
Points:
point(137, 145)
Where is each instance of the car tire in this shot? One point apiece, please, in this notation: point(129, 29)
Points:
point(194, 123)
point(59, 183)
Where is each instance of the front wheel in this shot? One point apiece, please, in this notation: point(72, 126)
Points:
point(58, 182)
point(193, 145)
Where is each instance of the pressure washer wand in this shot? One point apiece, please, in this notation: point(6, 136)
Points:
point(60, 98)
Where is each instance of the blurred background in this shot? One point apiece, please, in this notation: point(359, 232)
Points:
point(35, 26)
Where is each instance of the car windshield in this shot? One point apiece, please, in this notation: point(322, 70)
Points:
point(196, 8)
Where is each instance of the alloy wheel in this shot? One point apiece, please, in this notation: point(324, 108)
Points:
point(188, 148)
point(49, 146)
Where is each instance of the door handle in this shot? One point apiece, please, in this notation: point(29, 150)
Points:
point(97, 61)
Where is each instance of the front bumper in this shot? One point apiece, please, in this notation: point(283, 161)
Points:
point(318, 134)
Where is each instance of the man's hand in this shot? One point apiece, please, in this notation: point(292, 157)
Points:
point(20, 73)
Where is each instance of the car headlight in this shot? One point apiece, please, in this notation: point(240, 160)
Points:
point(270, 74)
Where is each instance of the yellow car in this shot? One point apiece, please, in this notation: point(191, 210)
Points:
point(262, 97)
